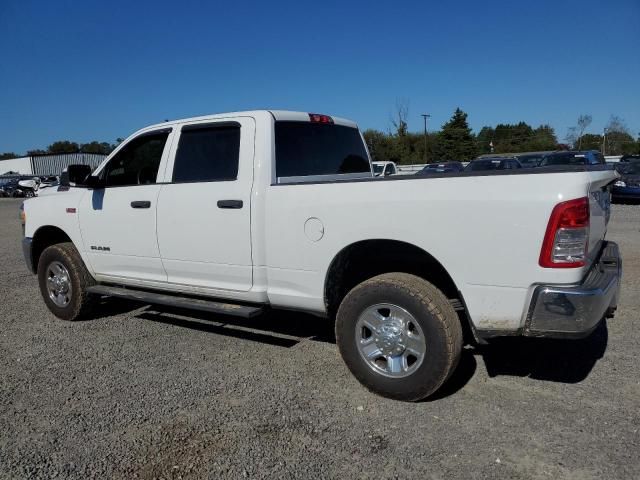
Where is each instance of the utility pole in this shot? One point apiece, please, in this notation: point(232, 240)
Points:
point(425, 116)
point(604, 142)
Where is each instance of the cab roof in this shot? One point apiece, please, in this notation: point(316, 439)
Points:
point(278, 115)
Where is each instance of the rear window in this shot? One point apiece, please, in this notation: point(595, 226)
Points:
point(478, 165)
point(563, 159)
point(530, 160)
point(305, 149)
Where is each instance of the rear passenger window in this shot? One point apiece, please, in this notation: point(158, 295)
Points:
point(207, 154)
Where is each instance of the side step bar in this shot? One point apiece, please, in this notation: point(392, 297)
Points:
point(153, 298)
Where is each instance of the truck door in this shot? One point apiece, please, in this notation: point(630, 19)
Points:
point(118, 222)
point(204, 207)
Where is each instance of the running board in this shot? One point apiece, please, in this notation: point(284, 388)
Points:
point(153, 298)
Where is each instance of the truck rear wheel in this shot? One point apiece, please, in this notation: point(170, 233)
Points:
point(63, 280)
point(399, 336)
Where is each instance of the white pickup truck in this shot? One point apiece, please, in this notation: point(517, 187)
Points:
point(237, 212)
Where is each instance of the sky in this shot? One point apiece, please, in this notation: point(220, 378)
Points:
point(99, 70)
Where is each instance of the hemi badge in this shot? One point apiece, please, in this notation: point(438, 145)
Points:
point(71, 210)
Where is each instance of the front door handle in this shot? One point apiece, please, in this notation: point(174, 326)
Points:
point(141, 204)
point(230, 203)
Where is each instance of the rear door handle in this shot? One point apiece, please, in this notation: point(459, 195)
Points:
point(141, 204)
point(230, 203)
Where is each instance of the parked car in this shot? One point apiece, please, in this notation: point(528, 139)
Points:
point(445, 167)
point(10, 187)
point(493, 163)
point(627, 187)
point(235, 213)
point(588, 157)
point(529, 160)
point(29, 186)
point(47, 182)
point(384, 169)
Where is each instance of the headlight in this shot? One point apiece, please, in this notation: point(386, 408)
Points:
point(619, 183)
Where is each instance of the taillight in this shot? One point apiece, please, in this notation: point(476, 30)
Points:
point(317, 118)
point(567, 237)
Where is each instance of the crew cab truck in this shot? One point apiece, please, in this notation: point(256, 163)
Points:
point(237, 212)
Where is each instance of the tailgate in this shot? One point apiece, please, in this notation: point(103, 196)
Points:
point(600, 209)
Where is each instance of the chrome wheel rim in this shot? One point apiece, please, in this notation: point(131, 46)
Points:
point(59, 284)
point(390, 340)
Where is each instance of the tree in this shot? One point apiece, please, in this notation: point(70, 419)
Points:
point(402, 149)
point(574, 134)
point(97, 147)
point(399, 119)
point(618, 137)
point(8, 155)
point(591, 141)
point(63, 146)
point(544, 138)
point(37, 151)
point(583, 122)
point(455, 140)
point(519, 137)
point(484, 140)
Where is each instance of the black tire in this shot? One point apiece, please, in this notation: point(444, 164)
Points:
point(436, 318)
point(80, 301)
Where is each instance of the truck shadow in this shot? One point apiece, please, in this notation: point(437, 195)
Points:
point(564, 361)
point(274, 327)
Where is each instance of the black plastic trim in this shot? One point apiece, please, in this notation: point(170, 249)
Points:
point(179, 301)
point(27, 250)
point(488, 173)
point(230, 204)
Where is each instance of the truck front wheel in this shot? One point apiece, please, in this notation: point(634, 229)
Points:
point(399, 336)
point(63, 280)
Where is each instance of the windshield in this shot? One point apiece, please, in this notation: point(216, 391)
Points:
point(564, 159)
point(530, 159)
point(631, 168)
point(487, 164)
point(377, 168)
point(7, 181)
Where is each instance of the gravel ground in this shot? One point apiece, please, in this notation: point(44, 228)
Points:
point(146, 393)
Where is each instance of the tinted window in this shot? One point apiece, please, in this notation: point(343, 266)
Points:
point(529, 160)
point(628, 168)
point(137, 162)
point(490, 164)
point(563, 159)
point(207, 154)
point(304, 148)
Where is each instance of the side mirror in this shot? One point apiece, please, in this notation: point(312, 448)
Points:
point(75, 175)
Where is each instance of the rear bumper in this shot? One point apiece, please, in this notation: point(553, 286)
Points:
point(575, 311)
point(27, 247)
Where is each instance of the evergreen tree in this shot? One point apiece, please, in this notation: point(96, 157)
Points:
point(456, 142)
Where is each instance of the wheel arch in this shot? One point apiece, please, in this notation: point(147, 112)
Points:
point(44, 237)
point(365, 259)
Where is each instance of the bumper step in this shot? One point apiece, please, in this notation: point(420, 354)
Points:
point(245, 311)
